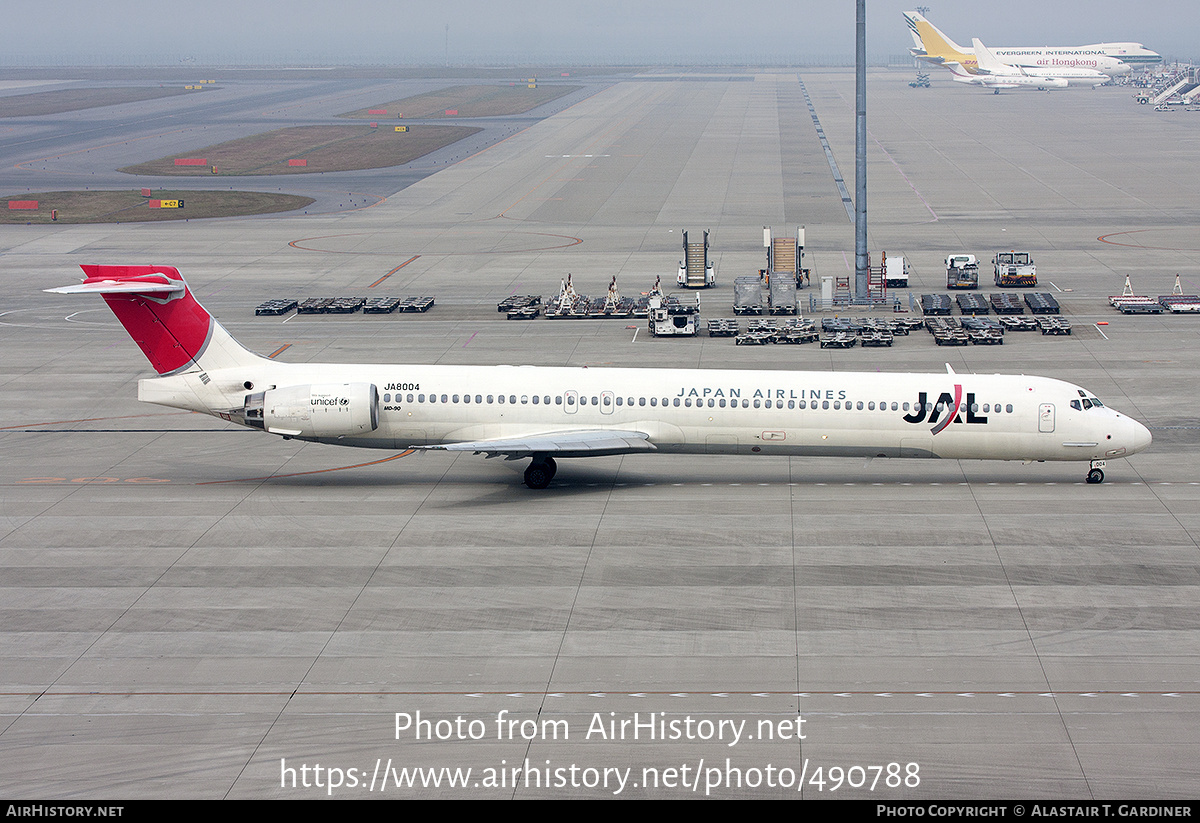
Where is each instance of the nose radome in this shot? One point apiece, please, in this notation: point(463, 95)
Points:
point(1141, 436)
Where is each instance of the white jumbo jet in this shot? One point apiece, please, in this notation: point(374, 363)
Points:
point(990, 65)
point(1113, 59)
point(1006, 81)
point(548, 413)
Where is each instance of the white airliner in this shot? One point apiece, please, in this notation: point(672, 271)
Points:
point(1012, 81)
point(1112, 59)
point(990, 65)
point(549, 413)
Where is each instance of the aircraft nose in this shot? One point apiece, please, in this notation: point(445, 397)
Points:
point(1141, 437)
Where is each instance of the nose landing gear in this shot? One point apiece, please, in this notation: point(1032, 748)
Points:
point(1096, 474)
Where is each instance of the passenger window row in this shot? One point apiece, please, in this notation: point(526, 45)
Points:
point(697, 402)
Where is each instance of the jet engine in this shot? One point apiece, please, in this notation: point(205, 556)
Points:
point(316, 410)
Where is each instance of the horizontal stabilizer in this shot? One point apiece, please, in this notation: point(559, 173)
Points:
point(118, 287)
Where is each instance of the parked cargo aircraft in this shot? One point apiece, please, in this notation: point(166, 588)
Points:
point(549, 413)
point(1112, 59)
point(991, 66)
point(996, 83)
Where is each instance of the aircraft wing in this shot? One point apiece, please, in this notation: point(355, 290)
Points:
point(571, 443)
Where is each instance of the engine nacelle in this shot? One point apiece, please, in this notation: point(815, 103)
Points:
point(317, 410)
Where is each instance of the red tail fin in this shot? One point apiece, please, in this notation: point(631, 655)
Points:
point(158, 310)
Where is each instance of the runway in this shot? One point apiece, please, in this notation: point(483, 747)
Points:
point(191, 609)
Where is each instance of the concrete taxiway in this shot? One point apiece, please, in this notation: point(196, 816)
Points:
point(189, 609)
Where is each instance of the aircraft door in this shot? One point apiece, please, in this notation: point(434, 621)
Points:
point(571, 402)
point(1046, 417)
point(607, 400)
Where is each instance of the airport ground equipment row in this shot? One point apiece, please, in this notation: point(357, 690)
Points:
point(1018, 323)
point(570, 305)
point(275, 307)
point(839, 340)
point(330, 305)
point(935, 305)
point(754, 338)
point(723, 328)
point(1001, 303)
point(1177, 302)
point(847, 332)
point(1042, 303)
point(1006, 303)
point(1136, 304)
point(895, 325)
point(1141, 304)
point(1181, 303)
point(947, 331)
point(983, 331)
point(529, 312)
point(345, 305)
point(583, 307)
point(973, 303)
point(876, 337)
point(794, 330)
point(519, 301)
point(374, 305)
point(1054, 325)
point(387, 305)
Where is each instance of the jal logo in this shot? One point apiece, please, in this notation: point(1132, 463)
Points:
point(950, 404)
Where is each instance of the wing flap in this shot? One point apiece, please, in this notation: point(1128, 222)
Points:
point(574, 443)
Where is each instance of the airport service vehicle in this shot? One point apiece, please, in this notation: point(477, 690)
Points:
point(895, 272)
point(1014, 268)
point(551, 413)
point(962, 271)
point(1113, 59)
point(671, 315)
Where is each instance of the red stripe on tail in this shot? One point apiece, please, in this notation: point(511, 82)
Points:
point(171, 328)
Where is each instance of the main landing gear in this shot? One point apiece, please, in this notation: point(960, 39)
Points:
point(540, 472)
point(1096, 474)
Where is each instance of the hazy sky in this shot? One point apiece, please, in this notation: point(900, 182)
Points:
point(140, 32)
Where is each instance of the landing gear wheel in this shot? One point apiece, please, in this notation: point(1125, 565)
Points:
point(540, 473)
point(1095, 476)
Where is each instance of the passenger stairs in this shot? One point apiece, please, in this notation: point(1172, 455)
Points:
point(785, 255)
point(1185, 84)
point(696, 272)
